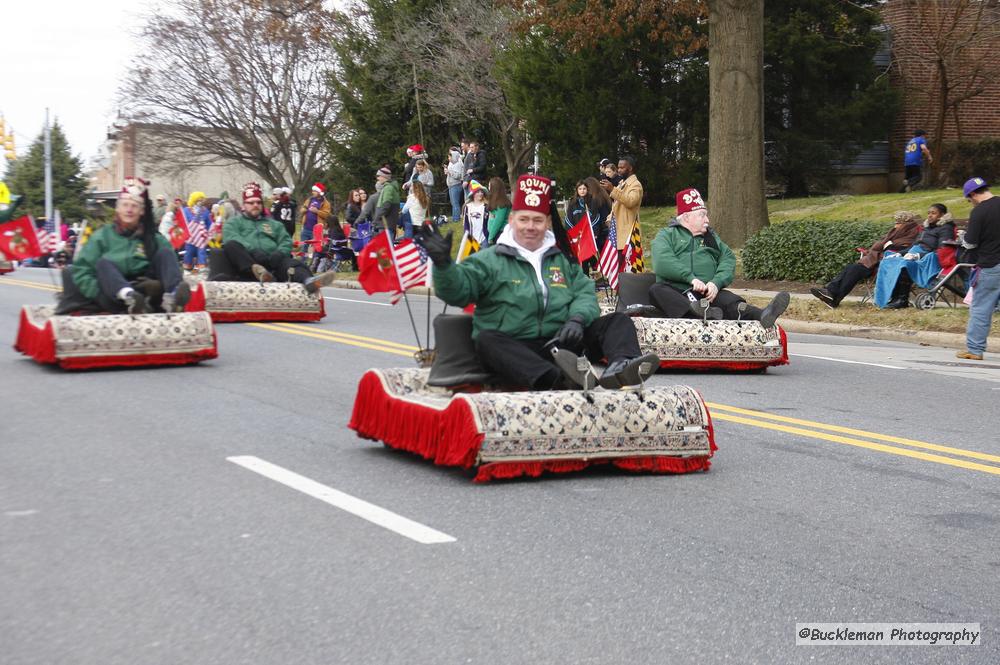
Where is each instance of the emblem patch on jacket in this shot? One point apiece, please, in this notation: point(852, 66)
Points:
point(140, 250)
point(266, 228)
point(556, 277)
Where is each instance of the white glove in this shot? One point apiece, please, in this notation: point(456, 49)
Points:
point(909, 256)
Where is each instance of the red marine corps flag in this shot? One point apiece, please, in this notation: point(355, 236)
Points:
point(18, 240)
point(179, 232)
point(581, 237)
point(378, 273)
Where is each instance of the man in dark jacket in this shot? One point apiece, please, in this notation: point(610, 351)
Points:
point(529, 296)
point(983, 238)
point(283, 208)
point(475, 164)
point(256, 246)
point(694, 266)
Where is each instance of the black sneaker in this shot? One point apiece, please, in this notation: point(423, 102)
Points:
point(630, 372)
point(825, 296)
point(703, 310)
point(174, 302)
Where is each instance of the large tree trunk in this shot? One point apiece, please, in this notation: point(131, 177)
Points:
point(736, 118)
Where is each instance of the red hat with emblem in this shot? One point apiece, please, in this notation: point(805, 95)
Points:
point(534, 193)
point(689, 200)
point(251, 190)
point(134, 189)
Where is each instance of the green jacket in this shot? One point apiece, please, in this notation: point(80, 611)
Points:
point(266, 234)
point(507, 294)
point(496, 223)
point(390, 194)
point(679, 257)
point(126, 251)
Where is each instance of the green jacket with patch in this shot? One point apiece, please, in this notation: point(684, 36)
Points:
point(390, 194)
point(266, 234)
point(679, 257)
point(507, 294)
point(127, 252)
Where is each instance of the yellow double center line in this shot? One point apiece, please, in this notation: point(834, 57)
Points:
point(31, 285)
point(339, 337)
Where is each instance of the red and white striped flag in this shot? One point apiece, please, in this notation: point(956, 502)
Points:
point(199, 234)
point(611, 260)
point(48, 239)
point(411, 264)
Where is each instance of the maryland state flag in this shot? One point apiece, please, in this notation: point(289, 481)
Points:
point(18, 240)
point(378, 273)
point(467, 248)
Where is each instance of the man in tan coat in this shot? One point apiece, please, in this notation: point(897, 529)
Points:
point(626, 200)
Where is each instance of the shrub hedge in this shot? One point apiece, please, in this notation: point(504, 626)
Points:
point(807, 250)
point(963, 159)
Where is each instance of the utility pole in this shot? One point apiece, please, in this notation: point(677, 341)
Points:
point(416, 91)
point(48, 171)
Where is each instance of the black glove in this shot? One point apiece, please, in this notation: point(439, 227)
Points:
point(571, 334)
point(438, 247)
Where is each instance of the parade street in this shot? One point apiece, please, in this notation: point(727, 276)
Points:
point(225, 513)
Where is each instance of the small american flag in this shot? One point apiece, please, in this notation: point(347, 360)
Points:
point(611, 262)
point(411, 265)
point(48, 239)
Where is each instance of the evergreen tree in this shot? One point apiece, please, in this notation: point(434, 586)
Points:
point(824, 99)
point(69, 186)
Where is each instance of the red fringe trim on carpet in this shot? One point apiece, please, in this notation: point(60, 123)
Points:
point(37, 343)
point(504, 470)
point(197, 301)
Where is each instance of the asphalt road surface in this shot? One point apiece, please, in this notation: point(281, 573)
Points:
point(188, 515)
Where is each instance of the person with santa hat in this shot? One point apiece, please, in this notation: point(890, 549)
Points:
point(532, 298)
point(126, 265)
point(258, 247)
point(694, 266)
point(316, 210)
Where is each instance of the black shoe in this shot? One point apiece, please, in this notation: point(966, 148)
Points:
point(630, 371)
point(136, 303)
point(576, 369)
point(825, 296)
point(702, 310)
point(774, 309)
point(637, 309)
point(898, 303)
point(314, 283)
point(175, 302)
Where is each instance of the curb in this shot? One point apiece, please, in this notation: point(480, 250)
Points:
point(923, 337)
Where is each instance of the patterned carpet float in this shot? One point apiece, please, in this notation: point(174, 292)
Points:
point(727, 345)
point(252, 301)
point(115, 340)
point(6, 267)
point(511, 434)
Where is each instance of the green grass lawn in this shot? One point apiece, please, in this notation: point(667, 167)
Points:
point(868, 207)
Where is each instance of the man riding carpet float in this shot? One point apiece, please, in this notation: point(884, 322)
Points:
point(126, 265)
point(694, 266)
point(535, 307)
point(259, 248)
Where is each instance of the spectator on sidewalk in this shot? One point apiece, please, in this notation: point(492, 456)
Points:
point(317, 209)
point(627, 198)
point(389, 194)
point(283, 209)
point(905, 227)
point(474, 214)
point(982, 238)
point(475, 164)
point(498, 203)
point(454, 170)
point(897, 273)
point(413, 154)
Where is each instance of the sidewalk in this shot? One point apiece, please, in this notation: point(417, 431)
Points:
point(925, 337)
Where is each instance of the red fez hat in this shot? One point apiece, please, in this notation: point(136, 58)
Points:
point(251, 190)
point(689, 200)
point(533, 192)
point(134, 189)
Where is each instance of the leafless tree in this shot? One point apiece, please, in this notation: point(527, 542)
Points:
point(455, 48)
point(238, 82)
point(946, 52)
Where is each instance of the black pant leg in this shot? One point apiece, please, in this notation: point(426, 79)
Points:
point(282, 263)
point(110, 281)
point(729, 302)
point(517, 362)
point(166, 269)
point(848, 278)
point(239, 258)
point(673, 303)
point(903, 285)
point(611, 336)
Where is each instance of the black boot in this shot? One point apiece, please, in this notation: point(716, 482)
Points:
point(898, 303)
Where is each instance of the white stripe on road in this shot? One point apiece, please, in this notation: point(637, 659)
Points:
point(841, 360)
point(374, 514)
point(363, 302)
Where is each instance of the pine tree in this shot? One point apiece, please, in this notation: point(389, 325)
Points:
point(69, 186)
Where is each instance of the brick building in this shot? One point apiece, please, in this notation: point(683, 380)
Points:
point(959, 39)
